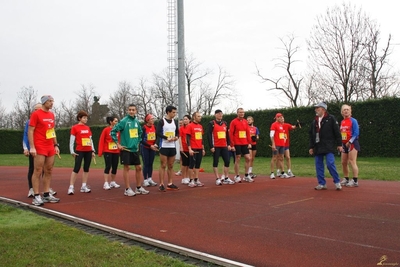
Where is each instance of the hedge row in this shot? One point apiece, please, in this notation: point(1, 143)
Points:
point(378, 121)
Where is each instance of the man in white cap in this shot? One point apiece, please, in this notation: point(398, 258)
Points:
point(43, 148)
point(325, 139)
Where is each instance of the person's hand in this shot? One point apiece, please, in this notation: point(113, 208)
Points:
point(311, 151)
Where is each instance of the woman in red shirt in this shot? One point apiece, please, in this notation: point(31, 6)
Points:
point(81, 135)
point(148, 148)
point(109, 148)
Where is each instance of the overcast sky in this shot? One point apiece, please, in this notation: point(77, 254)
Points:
point(57, 46)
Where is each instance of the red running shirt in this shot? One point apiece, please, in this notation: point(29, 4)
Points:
point(106, 143)
point(219, 135)
point(83, 136)
point(195, 130)
point(182, 134)
point(280, 136)
point(44, 133)
point(239, 132)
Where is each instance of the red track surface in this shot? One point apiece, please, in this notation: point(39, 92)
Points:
point(283, 222)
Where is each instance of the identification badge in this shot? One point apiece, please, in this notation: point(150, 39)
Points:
point(242, 134)
point(344, 136)
point(112, 146)
point(50, 133)
point(198, 136)
point(133, 133)
point(86, 142)
point(221, 135)
point(151, 136)
point(170, 134)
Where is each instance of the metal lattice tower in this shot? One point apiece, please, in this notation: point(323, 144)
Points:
point(172, 44)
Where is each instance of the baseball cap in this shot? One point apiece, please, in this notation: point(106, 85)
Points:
point(322, 105)
point(218, 111)
point(278, 115)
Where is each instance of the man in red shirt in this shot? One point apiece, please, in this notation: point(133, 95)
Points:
point(194, 140)
point(43, 147)
point(239, 133)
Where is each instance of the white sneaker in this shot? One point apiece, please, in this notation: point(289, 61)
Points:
point(218, 182)
point(151, 182)
point(320, 187)
point(237, 179)
point(71, 191)
point(146, 183)
point(338, 186)
point(228, 180)
point(37, 201)
point(85, 189)
point(141, 191)
point(178, 173)
point(192, 184)
point(285, 176)
point(106, 186)
point(352, 184)
point(185, 181)
point(290, 173)
point(272, 176)
point(31, 193)
point(248, 179)
point(344, 181)
point(52, 192)
point(278, 173)
point(113, 184)
point(129, 192)
point(198, 183)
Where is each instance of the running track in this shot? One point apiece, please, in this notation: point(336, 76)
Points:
point(283, 222)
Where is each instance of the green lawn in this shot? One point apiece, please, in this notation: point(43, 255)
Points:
point(369, 168)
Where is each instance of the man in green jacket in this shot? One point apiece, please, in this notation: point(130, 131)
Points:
point(130, 136)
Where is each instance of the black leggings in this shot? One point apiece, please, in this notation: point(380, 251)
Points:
point(111, 162)
point(86, 156)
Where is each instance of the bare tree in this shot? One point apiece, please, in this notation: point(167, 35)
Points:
point(194, 75)
point(337, 50)
point(222, 90)
point(3, 116)
point(23, 107)
point(85, 98)
point(289, 84)
point(163, 93)
point(65, 114)
point(144, 100)
point(120, 99)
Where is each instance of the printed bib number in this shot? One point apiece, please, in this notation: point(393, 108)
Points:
point(198, 136)
point(242, 134)
point(151, 136)
point(221, 135)
point(112, 146)
point(133, 133)
point(50, 133)
point(86, 142)
point(170, 134)
point(344, 136)
point(282, 136)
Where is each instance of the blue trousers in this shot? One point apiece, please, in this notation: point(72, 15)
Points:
point(330, 164)
point(148, 156)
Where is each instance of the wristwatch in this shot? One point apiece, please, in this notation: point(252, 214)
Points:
point(57, 144)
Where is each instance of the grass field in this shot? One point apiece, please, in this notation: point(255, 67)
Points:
point(369, 168)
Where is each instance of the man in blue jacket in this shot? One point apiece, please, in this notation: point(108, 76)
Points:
point(325, 139)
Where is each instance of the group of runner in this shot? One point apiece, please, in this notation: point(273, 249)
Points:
point(126, 141)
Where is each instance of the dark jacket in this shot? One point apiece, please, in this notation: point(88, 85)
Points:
point(329, 135)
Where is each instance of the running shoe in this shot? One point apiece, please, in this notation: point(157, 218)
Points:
point(161, 188)
point(151, 182)
point(321, 187)
point(129, 192)
point(51, 199)
point(198, 183)
point(284, 175)
point(178, 173)
point(31, 193)
point(71, 191)
point(290, 173)
point(51, 191)
point(252, 175)
point(192, 184)
point(113, 184)
point(278, 173)
point(228, 180)
point(344, 181)
point(185, 181)
point(85, 189)
point(338, 186)
point(106, 186)
point(237, 179)
point(146, 183)
point(172, 187)
point(141, 191)
point(37, 201)
point(352, 184)
point(272, 176)
point(218, 182)
point(248, 179)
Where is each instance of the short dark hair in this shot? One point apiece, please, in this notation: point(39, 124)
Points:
point(110, 119)
point(169, 109)
point(218, 111)
point(81, 114)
